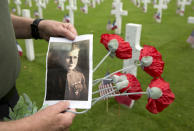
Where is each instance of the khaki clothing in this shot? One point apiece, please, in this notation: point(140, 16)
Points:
point(76, 88)
point(63, 85)
point(9, 59)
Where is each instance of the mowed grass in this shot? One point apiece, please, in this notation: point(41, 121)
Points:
point(169, 38)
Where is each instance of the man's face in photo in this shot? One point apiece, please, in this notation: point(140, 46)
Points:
point(71, 59)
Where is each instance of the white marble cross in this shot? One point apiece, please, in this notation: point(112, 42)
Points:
point(75, 2)
point(28, 42)
point(161, 5)
point(29, 2)
point(71, 7)
point(134, 2)
point(61, 4)
point(86, 3)
point(40, 4)
point(118, 12)
point(47, 1)
point(167, 1)
point(133, 35)
point(94, 3)
point(98, 1)
point(182, 4)
point(18, 3)
point(138, 3)
point(145, 6)
point(154, 2)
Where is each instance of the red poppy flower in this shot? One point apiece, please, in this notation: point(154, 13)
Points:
point(156, 65)
point(160, 96)
point(122, 50)
point(133, 86)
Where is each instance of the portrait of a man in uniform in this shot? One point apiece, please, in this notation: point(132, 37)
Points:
point(76, 88)
point(67, 74)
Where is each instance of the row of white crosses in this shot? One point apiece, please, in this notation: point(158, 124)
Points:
point(28, 42)
point(96, 1)
point(182, 4)
point(40, 4)
point(118, 12)
point(162, 4)
point(146, 2)
point(72, 7)
point(138, 3)
point(26, 13)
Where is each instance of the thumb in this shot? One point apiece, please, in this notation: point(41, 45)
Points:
point(60, 106)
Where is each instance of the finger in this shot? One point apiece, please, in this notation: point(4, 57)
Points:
point(72, 29)
point(60, 106)
point(68, 117)
point(70, 114)
point(67, 33)
point(72, 109)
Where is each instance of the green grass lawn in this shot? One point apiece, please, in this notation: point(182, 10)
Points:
point(169, 38)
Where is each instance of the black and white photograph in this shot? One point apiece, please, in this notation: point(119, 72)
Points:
point(69, 74)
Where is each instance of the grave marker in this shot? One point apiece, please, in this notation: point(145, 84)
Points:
point(133, 35)
point(182, 4)
point(94, 3)
point(61, 4)
point(160, 6)
point(118, 12)
point(28, 42)
point(71, 7)
point(29, 2)
point(191, 20)
point(145, 6)
point(86, 3)
point(40, 4)
point(98, 1)
point(18, 3)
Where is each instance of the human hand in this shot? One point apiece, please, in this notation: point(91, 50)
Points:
point(52, 118)
point(50, 28)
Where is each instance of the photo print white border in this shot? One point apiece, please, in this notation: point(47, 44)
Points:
point(74, 103)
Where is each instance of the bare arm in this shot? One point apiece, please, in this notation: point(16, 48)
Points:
point(22, 26)
point(14, 125)
point(48, 119)
point(47, 28)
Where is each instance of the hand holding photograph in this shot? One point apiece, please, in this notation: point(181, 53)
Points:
point(69, 71)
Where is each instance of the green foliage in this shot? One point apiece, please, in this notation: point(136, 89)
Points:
point(24, 107)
